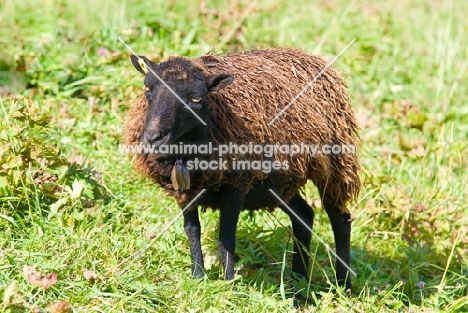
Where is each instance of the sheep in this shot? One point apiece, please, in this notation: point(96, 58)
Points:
point(237, 96)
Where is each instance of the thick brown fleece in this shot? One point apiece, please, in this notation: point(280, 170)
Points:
point(265, 82)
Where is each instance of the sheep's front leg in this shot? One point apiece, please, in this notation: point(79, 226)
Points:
point(231, 204)
point(192, 229)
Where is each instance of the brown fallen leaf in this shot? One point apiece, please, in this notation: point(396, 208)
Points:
point(418, 151)
point(92, 101)
point(59, 306)
point(37, 279)
point(150, 235)
point(35, 309)
point(89, 275)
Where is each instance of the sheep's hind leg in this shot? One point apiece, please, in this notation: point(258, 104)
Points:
point(302, 234)
point(192, 229)
point(341, 224)
point(231, 204)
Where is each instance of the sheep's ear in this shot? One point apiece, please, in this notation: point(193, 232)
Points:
point(217, 82)
point(141, 63)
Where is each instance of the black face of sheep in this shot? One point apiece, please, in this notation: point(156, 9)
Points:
point(265, 81)
point(170, 115)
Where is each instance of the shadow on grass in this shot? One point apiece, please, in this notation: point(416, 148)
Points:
point(417, 273)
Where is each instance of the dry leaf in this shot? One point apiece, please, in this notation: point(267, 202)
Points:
point(60, 306)
point(150, 235)
point(92, 101)
point(37, 279)
point(115, 104)
point(89, 275)
point(418, 151)
point(35, 309)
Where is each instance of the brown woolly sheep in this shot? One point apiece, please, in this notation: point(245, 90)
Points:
point(237, 95)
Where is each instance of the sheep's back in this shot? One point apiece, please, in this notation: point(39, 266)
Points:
point(268, 81)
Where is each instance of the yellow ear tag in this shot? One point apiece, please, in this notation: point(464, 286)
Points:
point(143, 65)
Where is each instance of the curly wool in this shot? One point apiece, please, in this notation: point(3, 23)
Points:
point(265, 82)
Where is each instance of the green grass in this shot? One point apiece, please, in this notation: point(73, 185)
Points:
point(69, 201)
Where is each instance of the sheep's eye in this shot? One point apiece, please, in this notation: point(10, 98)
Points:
point(196, 99)
point(147, 88)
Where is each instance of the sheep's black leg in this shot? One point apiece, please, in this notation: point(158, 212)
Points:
point(302, 234)
point(192, 229)
point(341, 224)
point(231, 204)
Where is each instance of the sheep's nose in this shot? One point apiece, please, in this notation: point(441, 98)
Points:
point(150, 138)
point(147, 138)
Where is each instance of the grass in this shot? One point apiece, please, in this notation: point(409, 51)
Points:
point(70, 202)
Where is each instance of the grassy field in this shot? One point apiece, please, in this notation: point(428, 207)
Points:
point(72, 208)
